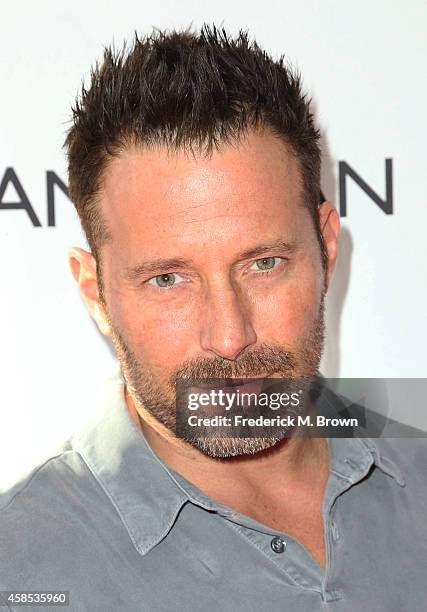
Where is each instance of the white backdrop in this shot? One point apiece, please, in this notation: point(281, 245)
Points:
point(363, 63)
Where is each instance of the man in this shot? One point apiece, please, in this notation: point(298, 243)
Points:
point(194, 165)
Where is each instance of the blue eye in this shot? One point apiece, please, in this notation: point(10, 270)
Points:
point(165, 280)
point(267, 263)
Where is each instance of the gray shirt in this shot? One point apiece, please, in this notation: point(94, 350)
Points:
point(108, 521)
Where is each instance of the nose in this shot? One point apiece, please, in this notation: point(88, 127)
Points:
point(226, 328)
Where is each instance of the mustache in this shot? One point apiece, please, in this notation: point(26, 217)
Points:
point(262, 361)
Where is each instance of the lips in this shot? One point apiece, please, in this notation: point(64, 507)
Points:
point(247, 385)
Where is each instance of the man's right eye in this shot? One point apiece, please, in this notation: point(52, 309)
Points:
point(165, 281)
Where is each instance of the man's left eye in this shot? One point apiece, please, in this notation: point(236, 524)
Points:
point(267, 263)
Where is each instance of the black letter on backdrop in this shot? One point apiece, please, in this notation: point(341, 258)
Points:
point(385, 205)
point(53, 179)
point(24, 203)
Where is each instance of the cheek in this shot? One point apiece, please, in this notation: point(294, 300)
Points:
point(158, 334)
point(286, 314)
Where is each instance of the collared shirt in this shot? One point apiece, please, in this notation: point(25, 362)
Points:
point(108, 521)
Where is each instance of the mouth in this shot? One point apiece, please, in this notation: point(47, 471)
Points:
point(250, 382)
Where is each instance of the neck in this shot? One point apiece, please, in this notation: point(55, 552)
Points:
point(291, 464)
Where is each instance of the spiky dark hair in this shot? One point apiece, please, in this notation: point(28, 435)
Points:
point(182, 89)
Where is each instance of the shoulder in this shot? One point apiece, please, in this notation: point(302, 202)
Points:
point(45, 517)
point(52, 481)
point(373, 424)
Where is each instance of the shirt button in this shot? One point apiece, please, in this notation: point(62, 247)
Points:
point(278, 545)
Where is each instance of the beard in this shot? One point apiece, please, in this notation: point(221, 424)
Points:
point(159, 399)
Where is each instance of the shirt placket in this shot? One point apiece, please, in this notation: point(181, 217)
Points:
point(344, 473)
point(286, 553)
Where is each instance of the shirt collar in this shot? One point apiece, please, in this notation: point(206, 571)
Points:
point(148, 495)
point(137, 483)
point(348, 455)
point(351, 458)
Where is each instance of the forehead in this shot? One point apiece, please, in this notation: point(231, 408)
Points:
point(146, 191)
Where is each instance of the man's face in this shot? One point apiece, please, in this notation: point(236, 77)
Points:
point(214, 270)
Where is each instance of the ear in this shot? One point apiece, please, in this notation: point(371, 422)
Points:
point(330, 228)
point(83, 267)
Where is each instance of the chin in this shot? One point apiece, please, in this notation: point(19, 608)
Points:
point(225, 448)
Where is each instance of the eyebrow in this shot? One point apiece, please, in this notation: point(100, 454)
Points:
point(161, 266)
point(282, 245)
point(158, 266)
